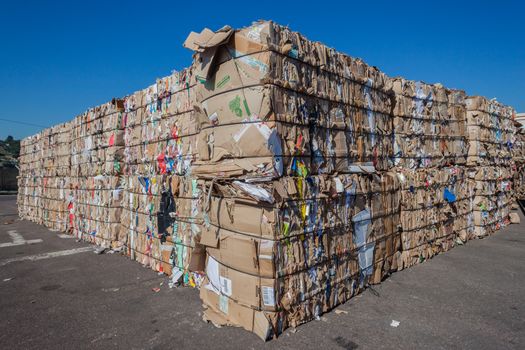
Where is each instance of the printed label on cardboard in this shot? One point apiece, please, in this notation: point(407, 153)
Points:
point(226, 286)
point(223, 304)
point(268, 296)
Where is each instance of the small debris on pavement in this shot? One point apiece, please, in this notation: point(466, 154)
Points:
point(99, 250)
point(115, 250)
point(338, 312)
point(394, 323)
point(156, 289)
point(8, 279)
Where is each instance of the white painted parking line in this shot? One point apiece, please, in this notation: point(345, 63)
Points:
point(18, 240)
point(46, 255)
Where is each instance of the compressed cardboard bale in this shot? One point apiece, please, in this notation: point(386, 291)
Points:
point(303, 214)
point(26, 190)
point(429, 125)
point(160, 223)
point(250, 145)
point(436, 211)
point(271, 246)
point(270, 107)
point(57, 150)
point(54, 197)
point(518, 156)
point(491, 135)
point(98, 141)
point(160, 207)
point(30, 177)
point(490, 132)
point(97, 209)
point(55, 180)
point(160, 127)
point(29, 197)
point(44, 165)
point(492, 198)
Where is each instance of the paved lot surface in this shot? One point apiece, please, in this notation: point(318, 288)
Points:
point(472, 297)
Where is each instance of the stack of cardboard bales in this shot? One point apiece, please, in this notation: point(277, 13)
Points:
point(299, 210)
point(55, 180)
point(429, 125)
point(96, 165)
point(491, 134)
point(118, 176)
point(161, 199)
point(30, 178)
point(518, 155)
point(295, 127)
point(292, 175)
point(43, 180)
point(429, 157)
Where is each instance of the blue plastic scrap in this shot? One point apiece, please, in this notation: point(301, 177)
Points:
point(449, 196)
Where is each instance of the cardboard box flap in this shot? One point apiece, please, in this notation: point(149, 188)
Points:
point(206, 44)
point(210, 236)
point(207, 39)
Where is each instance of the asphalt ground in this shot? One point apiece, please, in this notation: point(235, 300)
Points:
point(471, 297)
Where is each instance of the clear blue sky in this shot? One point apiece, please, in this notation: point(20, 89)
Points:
point(60, 58)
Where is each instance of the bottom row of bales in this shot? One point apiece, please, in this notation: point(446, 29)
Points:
point(276, 254)
point(280, 254)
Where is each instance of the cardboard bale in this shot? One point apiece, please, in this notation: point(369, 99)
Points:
point(160, 205)
point(492, 198)
point(436, 211)
point(270, 109)
point(492, 136)
point(96, 209)
point(98, 141)
point(273, 246)
point(30, 165)
point(491, 132)
point(429, 125)
point(54, 201)
point(44, 164)
point(160, 222)
point(160, 127)
point(518, 156)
